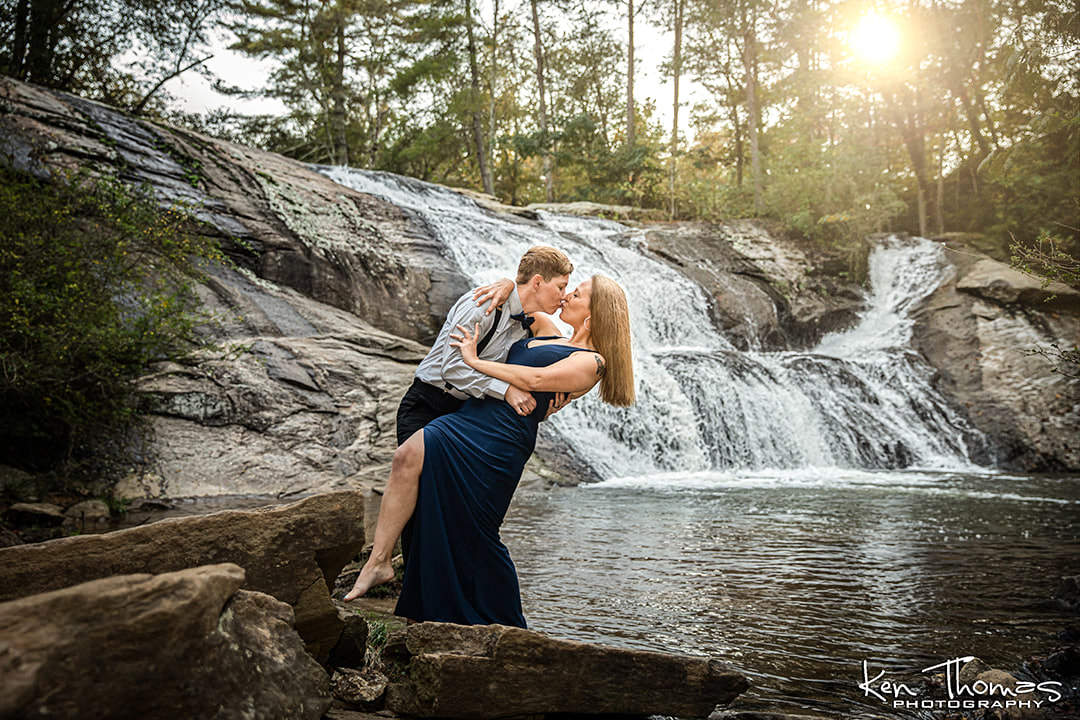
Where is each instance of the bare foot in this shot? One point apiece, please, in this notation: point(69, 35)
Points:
point(371, 575)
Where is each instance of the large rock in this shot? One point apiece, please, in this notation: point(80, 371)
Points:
point(478, 672)
point(293, 552)
point(303, 394)
point(582, 208)
point(301, 399)
point(997, 282)
point(187, 644)
point(978, 330)
point(281, 219)
point(767, 292)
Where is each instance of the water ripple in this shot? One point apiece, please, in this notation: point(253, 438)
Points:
point(796, 577)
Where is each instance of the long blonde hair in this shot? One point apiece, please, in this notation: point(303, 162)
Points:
point(610, 332)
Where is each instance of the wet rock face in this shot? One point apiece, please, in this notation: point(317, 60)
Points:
point(977, 329)
point(182, 644)
point(292, 552)
point(493, 671)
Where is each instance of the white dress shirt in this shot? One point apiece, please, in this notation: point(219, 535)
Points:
point(444, 367)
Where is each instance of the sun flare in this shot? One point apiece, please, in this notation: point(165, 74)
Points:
point(876, 39)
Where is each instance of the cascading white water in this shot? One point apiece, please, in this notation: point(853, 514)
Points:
point(860, 400)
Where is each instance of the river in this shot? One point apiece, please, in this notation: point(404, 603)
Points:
point(797, 577)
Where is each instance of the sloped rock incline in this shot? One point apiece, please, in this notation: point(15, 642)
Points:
point(186, 644)
point(295, 227)
point(293, 552)
point(301, 398)
point(480, 672)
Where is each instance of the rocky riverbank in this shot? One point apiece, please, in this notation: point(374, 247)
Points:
point(230, 615)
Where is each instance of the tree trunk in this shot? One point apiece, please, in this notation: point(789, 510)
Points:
point(494, 59)
point(740, 152)
point(337, 118)
point(913, 135)
point(630, 137)
point(676, 72)
point(41, 40)
point(18, 49)
point(941, 188)
point(749, 63)
point(538, 52)
point(477, 120)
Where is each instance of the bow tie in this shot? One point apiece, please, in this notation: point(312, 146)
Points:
point(525, 320)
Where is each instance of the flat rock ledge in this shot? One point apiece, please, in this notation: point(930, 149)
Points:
point(292, 552)
point(188, 644)
point(492, 671)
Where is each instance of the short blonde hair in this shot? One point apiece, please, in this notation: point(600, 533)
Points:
point(545, 261)
point(610, 334)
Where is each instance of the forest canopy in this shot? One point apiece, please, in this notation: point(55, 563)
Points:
point(835, 118)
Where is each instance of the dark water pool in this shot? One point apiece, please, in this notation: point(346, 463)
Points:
point(798, 577)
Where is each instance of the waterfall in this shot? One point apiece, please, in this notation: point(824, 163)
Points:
point(862, 399)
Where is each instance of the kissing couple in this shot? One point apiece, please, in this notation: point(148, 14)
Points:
point(468, 424)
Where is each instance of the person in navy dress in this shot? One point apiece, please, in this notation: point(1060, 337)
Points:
point(459, 571)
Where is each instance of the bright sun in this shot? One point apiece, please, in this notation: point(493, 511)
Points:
point(876, 39)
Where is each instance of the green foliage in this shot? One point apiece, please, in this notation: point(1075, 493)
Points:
point(835, 193)
point(1034, 186)
point(95, 283)
point(1052, 258)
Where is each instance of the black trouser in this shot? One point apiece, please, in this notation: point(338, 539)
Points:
point(422, 404)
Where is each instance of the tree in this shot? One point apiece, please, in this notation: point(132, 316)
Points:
point(542, 117)
point(476, 101)
point(73, 45)
point(676, 73)
point(630, 138)
point(307, 38)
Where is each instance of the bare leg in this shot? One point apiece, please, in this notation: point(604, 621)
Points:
point(398, 504)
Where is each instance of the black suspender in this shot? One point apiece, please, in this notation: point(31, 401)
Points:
point(487, 338)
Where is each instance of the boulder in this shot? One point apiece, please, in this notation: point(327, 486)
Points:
point(9, 538)
point(492, 671)
point(583, 208)
point(981, 348)
point(359, 689)
point(292, 552)
point(88, 516)
point(1068, 591)
point(351, 649)
point(187, 644)
point(304, 401)
point(766, 292)
point(997, 282)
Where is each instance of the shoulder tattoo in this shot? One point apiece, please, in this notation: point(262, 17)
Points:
point(600, 367)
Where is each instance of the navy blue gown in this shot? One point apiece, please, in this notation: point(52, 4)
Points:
point(459, 571)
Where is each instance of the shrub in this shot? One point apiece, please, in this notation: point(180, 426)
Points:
point(95, 283)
